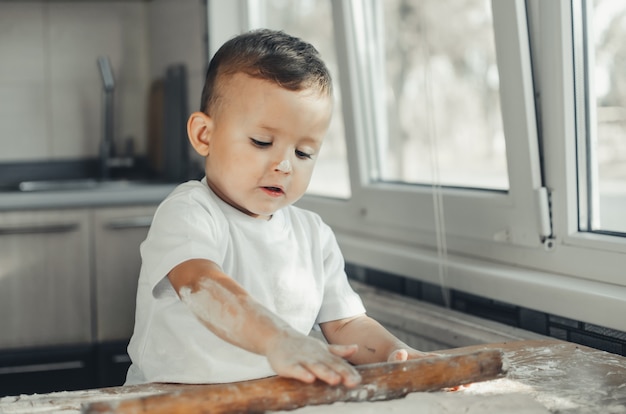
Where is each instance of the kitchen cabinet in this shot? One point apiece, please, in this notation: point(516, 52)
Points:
point(118, 232)
point(117, 235)
point(45, 297)
point(68, 281)
point(47, 369)
point(45, 301)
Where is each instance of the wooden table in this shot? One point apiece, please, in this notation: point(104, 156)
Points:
point(562, 377)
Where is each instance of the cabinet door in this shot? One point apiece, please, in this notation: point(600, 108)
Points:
point(118, 235)
point(44, 278)
point(47, 369)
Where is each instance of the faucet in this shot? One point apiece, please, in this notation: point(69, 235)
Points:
point(107, 154)
point(106, 143)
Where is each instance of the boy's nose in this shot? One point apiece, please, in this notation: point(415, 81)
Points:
point(284, 166)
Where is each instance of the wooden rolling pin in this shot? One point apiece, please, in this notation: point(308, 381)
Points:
point(383, 381)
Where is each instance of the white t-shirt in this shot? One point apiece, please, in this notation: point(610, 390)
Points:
point(291, 264)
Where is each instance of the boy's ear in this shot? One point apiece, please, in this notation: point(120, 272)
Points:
point(199, 130)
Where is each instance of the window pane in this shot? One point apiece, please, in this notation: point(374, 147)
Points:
point(443, 107)
point(608, 99)
point(312, 21)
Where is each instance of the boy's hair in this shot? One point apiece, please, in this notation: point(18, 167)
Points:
point(270, 55)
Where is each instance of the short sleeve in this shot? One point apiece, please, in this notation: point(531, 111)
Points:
point(340, 300)
point(187, 225)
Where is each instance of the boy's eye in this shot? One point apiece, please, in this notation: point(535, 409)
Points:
point(260, 144)
point(303, 155)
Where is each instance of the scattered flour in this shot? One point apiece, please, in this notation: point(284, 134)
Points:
point(69, 402)
point(435, 403)
point(537, 382)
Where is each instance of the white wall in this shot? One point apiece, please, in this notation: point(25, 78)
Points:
point(50, 87)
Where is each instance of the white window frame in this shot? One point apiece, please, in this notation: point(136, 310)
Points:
point(405, 211)
point(588, 255)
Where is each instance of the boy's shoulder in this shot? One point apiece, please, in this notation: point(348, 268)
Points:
point(192, 191)
point(196, 187)
point(192, 194)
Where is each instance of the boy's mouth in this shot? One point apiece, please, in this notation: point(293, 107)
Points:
point(275, 191)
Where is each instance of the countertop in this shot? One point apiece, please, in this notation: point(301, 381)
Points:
point(543, 376)
point(131, 193)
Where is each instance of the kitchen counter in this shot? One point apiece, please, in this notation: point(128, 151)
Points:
point(543, 376)
point(129, 193)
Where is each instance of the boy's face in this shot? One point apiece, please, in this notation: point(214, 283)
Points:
point(263, 143)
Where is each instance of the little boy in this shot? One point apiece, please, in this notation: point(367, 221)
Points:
point(234, 277)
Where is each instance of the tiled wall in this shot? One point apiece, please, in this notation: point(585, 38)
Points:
point(50, 86)
point(594, 336)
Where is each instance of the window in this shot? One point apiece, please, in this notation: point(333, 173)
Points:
point(602, 149)
point(312, 20)
point(444, 122)
point(392, 118)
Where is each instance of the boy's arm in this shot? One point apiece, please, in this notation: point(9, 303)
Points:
point(376, 344)
point(225, 308)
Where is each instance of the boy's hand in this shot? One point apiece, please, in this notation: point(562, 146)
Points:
point(404, 354)
point(306, 359)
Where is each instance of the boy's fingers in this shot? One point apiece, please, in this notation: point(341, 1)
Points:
point(324, 373)
point(342, 373)
point(350, 377)
point(316, 360)
point(298, 372)
point(399, 355)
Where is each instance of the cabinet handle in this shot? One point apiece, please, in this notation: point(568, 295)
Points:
point(129, 223)
point(38, 229)
point(51, 366)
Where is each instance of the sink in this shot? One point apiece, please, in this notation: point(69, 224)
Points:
point(57, 185)
point(81, 184)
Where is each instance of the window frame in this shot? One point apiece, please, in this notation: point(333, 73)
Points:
point(515, 216)
point(561, 102)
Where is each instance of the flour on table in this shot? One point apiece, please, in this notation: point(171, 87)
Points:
point(434, 403)
point(68, 402)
